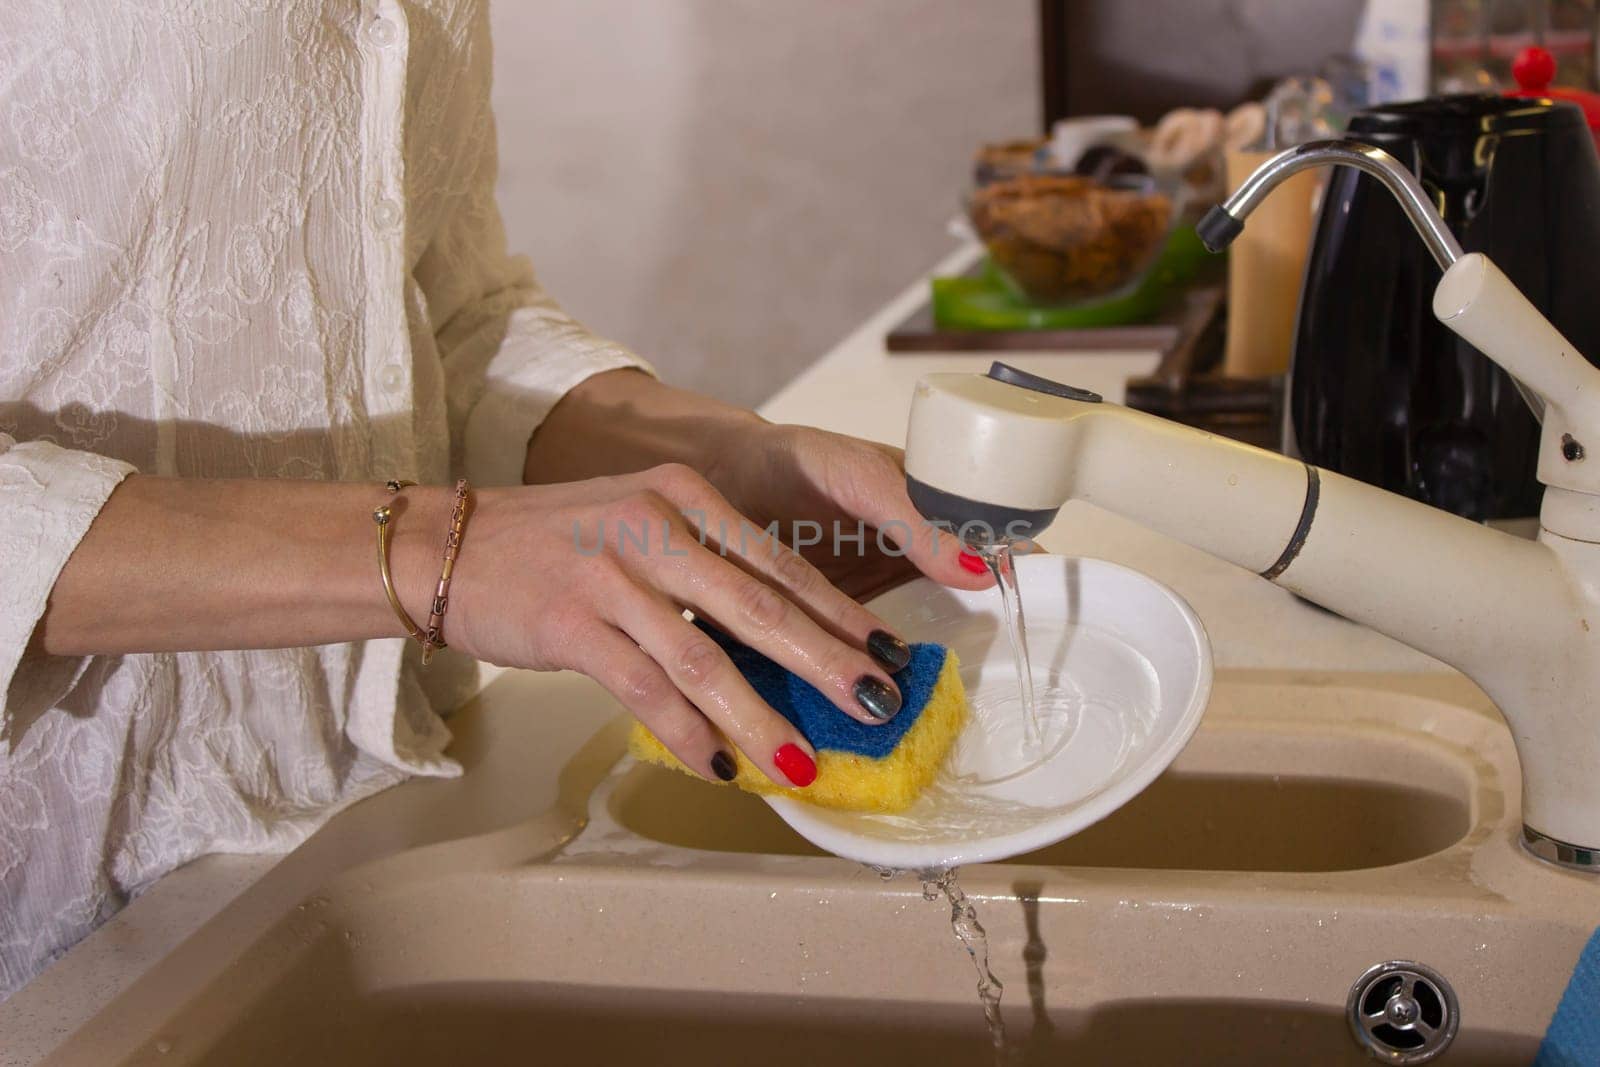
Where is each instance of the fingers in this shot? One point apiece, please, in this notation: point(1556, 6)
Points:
point(641, 686)
point(941, 555)
point(768, 621)
point(773, 600)
point(872, 484)
point(835, 611)
point(704, 675)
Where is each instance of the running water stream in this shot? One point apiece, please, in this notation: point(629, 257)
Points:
point(969, 931)
point(1000, 556)
point(972, 937)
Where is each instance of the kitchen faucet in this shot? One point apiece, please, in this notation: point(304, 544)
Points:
point(1000, 453)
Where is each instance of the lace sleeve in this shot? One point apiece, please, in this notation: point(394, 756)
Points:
point(48, 497)
point(509, 351)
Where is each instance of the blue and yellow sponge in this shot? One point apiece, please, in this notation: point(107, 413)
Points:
point(859, 767)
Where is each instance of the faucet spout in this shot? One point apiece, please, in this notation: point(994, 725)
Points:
point(1225, 222)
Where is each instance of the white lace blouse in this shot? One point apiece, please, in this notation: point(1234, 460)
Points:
point(238, 238)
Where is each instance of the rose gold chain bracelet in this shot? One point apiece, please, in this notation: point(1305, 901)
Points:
point(433, 637)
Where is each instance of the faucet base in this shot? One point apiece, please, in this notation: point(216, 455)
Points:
point(1560, 853)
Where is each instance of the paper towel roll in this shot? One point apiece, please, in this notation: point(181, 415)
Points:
point(1265, 266)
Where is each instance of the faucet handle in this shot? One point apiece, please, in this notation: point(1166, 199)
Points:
point(1005, 372)
point(1476, 300)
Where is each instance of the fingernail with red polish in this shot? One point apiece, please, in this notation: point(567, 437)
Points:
point(796, 765)
point(973, 563)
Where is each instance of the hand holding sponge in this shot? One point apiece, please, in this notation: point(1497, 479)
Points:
point(881, 768)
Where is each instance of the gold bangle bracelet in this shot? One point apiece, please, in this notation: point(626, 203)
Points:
point(383, 515)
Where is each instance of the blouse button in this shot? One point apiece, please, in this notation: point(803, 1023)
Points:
point(391, 377)
point(385, 214)
point(383, 32)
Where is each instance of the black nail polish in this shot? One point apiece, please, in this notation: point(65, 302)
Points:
point(888, 649)
point(724, 767)
point(880, 699)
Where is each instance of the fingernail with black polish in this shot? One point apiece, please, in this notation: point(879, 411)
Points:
point(725, 768)
point(888, 649)
point(880, 699)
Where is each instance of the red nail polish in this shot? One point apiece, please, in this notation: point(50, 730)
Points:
point(796, 765)
point(973, 563)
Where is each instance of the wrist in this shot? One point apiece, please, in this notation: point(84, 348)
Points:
point(737, 458)
point(623, 421)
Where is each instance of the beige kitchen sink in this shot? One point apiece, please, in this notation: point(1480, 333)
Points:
point(1317, 825)
point(1351, 801)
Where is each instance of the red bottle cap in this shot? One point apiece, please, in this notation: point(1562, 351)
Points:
point(1534, 68)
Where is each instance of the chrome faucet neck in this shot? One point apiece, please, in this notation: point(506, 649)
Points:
point(1225, 222)
point(1222, 224)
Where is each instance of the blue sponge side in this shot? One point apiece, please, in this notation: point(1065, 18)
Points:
point(1573, 1038)
point(814, 715)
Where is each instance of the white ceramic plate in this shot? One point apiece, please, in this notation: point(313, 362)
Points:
point(1120, 657)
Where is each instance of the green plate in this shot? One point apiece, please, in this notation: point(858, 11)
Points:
point(987, 302)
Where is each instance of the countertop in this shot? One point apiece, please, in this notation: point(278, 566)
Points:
point(512, 740)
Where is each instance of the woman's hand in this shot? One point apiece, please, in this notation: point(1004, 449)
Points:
point(808, 481)
point(842, 502)
point(614, 615)
point(594, 575)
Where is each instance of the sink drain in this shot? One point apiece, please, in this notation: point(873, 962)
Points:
point(1403, 1012)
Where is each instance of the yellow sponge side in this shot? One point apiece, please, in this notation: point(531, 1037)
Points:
point(849, 780)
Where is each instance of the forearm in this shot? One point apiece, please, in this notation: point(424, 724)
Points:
point(623, 421)
point(175, 564)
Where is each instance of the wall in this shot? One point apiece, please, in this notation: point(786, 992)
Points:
point(731, 185)
point(1147, 57)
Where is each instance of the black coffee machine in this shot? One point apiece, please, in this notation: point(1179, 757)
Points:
point(1379, 389)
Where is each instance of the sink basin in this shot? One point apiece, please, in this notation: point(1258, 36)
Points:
point(1352, 800)
point(529, 969)
point(1315, 826)
point(493, 1024)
